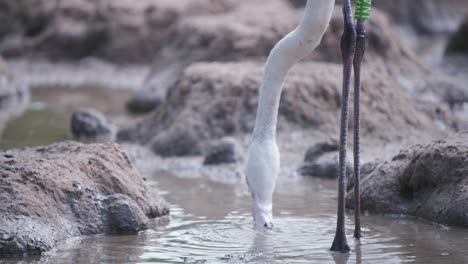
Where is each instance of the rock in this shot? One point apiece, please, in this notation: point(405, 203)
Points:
point(426, 181)
point(322, 161)
point(69, 189)
point(144, 103)
point(233, 35)
point(214, 100)
point(118, 31)
point(124, 214)
point(237, 35)
point(89, 125)
point(326, 166)
point(177, 142)
point(226, 150)
point(426, 16)
point(366, 169)
point(458, 43)
point(14, 95)
point(317, 150)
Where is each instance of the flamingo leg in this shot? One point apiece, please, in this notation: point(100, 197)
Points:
point(348, 46)
point(358, 57)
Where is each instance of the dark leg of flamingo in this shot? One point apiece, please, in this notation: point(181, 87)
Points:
point(360, 50)
point(348, 45)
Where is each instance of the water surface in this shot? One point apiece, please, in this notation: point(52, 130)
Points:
point(211, 222)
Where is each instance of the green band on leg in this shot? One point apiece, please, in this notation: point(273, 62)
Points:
point(363, 9)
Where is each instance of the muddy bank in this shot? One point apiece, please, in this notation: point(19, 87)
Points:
point(213, 100)
point(69, 189)
point(428, 181)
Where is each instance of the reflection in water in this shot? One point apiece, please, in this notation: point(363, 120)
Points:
point(262, 248)
point(48, 118)
point(357, 252)
point(340, 258)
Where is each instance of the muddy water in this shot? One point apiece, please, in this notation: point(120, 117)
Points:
point(47, 119)
point(211, 221)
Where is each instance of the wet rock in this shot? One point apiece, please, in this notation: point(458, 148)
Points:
point(124, 214)
point(427, 181)
point(214, 100)
point(322, 161)
point(69, 189)
point(458, 43)
point(89, 125)
point(14, 95)
point(226, 150)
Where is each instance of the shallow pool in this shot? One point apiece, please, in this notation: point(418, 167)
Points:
point(211, 221)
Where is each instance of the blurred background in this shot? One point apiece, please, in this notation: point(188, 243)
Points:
point(120, 58)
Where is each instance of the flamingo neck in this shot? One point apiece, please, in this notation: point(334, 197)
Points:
point(288, 51)
point(269, 99)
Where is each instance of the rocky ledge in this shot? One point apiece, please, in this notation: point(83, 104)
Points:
point(430, 182)
point(49, 194)
point(216, 100)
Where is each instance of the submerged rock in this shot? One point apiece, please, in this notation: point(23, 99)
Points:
point(214, 100)
point(226, 150)
point(89, 125)
point(64, 190)
point(427, 181)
